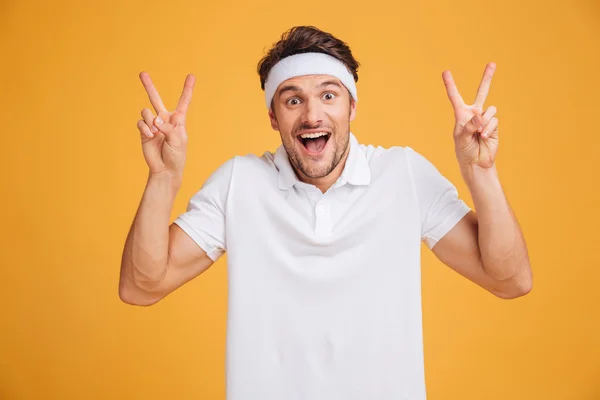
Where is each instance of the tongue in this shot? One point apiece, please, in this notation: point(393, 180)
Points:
point(316, 145)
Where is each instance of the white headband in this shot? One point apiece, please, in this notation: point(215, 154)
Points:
point(307, 64)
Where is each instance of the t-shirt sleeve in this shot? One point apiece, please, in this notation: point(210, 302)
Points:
point(441, 208)
point(204, 218)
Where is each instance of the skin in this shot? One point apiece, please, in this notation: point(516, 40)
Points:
point(314, 103)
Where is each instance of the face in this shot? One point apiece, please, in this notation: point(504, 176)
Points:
point(312, 114)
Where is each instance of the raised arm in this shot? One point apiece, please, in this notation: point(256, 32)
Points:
point(158, 257)
point(487, 247)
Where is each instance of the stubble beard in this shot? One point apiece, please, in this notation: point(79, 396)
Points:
point(318, 171)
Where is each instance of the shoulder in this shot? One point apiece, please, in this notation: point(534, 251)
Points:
point(241, 170)
point(266, 160)
point(380, 155)
point(247, 162)
point(403, 154)
point(252, 164)
point(399, 160)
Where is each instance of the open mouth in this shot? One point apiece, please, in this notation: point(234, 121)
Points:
point(314, 143)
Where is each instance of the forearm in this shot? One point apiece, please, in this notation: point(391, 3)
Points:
point(501, 242)
point(145, 256)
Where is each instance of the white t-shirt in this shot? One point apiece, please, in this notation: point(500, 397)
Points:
point(324, 289)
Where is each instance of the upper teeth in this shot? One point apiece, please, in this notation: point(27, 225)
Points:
point(313, 135)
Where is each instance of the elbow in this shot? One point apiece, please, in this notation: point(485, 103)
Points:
point(141, 289)
point(134, 297)
point(514, 293)
point(518, 287)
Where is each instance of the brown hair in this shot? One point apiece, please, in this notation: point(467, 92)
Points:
point(306, 39)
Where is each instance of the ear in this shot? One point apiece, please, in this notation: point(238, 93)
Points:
point(273, 119)
point(352, 110)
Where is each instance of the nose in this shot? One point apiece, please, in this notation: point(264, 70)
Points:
point(313, 112)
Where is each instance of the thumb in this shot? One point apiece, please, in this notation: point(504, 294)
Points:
point(162, 123)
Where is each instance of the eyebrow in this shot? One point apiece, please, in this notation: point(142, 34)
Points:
point(299, 89)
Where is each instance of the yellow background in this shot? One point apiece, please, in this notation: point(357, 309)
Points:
point(73, 174)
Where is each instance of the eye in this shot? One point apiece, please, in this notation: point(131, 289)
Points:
point(291, 101)
point(329, 96)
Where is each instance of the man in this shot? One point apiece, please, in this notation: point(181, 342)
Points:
point(323, 236)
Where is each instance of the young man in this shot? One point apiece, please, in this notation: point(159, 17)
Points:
point(323, 236)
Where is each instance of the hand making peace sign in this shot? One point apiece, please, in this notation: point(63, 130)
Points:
point(164, 138)
point(475, 134)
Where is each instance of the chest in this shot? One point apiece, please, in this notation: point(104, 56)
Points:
point(346, 225)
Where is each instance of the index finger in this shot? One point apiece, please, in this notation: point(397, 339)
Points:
point(186, 94)
point(152, 93)
point(455, 97)
point(484, 86)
